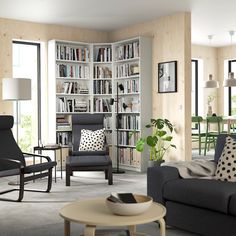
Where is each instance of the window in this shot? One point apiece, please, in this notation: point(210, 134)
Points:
point(26, 64)
point(231, 90)
point(194, 87)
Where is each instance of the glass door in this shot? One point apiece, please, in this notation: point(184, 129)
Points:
point(26, 64)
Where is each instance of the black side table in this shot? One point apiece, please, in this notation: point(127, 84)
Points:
point(51, 148)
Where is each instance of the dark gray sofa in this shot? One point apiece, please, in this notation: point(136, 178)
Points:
point(205, 207)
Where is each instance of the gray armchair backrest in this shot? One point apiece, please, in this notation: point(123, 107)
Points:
point(84, 121)
point(8, 146)
point(220, 145)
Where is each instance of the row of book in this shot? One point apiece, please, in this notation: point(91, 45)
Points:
point(108, 122)
point(102, 87)
point(131, 86)
point(103, 54)
point(129, 122)
point(128, 104)
point(65, 52)
point(71, 105)
point(126, 69)
point(72, 87)
point(108, 137)
point(72, 71)
point(127, 138)
point(102, 105)
point(127, 51)
point(129, 156)
point(63, 138)
point(62, 123)
point(102, 72)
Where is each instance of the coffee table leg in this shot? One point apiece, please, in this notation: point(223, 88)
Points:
point(89, 230)
point(162, 227)
point(132, 228)
point(66, 228)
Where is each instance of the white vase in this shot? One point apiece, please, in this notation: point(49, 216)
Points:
point(209, 110)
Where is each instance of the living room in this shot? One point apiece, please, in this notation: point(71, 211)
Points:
point(172, 37)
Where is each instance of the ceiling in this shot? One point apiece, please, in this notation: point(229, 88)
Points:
point(209, 17)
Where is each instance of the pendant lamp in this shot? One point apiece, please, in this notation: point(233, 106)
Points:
point(230, 81)
point(210, 83)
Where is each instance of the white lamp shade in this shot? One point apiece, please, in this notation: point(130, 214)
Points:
point(211, 83)
point(231, 81)
point(16, 89)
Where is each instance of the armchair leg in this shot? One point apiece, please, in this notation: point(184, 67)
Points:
point(68, 174)
point(110, 176)
point(106, 174)
point(49, 180)
point(21, 189)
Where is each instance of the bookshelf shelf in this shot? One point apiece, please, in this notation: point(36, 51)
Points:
point(71, 94)
point(128, 77)
point(72, 78)
point(83, 78)
point(128, 60)
point(71, 61)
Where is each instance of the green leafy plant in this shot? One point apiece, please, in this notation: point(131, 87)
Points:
point(210, 99)
point(160, 139)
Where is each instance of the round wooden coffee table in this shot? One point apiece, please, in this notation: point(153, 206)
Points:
point(94, 212)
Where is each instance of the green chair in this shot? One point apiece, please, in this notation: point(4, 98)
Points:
point(197, 134)
point(211, 135)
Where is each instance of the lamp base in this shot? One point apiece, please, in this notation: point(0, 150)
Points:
point(118, 171)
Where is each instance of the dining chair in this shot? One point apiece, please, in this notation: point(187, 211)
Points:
point(214, 126)
point(197, 134)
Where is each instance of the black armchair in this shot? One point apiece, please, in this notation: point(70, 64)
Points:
point(87, 160)
point(12, 161)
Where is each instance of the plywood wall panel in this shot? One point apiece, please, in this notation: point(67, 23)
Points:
point(171, 41)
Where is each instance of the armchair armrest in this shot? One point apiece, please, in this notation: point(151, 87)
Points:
point(11, 162)
point(156, 179)
point(26, 154)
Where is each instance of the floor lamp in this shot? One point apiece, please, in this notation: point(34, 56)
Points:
point(121, 88)
point(16, 89)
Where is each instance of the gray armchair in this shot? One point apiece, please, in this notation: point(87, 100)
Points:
point(87, 160)
point(13, 161)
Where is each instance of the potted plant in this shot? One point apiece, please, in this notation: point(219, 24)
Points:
point(159, 141)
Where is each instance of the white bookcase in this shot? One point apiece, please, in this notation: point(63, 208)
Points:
point(83, 77)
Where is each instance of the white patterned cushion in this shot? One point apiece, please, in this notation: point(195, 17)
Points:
point(92, 140)
point(226, 167)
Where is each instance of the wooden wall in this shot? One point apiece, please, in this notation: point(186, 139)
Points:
point(171, 41)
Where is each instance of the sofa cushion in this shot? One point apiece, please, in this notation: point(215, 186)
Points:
point(204, 193)
point(88, 160)
point(226, 167)
point(232, 205)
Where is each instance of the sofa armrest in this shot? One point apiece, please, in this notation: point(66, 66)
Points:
point(156, 179)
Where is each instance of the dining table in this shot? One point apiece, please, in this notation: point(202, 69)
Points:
point(227, 120)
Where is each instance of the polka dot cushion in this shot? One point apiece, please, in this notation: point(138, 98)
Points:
point(92, 140)
point(226, 167)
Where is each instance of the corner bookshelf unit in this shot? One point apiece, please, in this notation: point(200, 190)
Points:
point(132, 68)
point(83, 77)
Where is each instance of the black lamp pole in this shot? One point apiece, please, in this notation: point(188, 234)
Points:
point(117, 170)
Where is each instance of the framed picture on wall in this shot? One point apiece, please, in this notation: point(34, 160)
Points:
point(167, 77)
